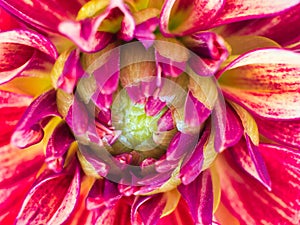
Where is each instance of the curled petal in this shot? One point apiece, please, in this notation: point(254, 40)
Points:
point(59, 194)
point(183, 17)
point(234, 11)
point(245, 197)
point(199, 198)
point(42, 14)
point(250, 85)
point(29, 130)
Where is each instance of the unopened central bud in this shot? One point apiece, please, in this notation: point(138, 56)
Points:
point(136, 126)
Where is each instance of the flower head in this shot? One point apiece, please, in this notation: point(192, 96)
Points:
point(148, 112)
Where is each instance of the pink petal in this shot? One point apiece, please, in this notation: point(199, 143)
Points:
point(12, 107)
point(284, 132)
point(17, 164)
point(282, 28)
point(20, 49)
point(7, 22)
point(181, 215)
point(266, 82)
point(237, 10)
point(197, 15)
point(249, 158)
point(57, 147)
point(71, 73)
point(249, 201)
point(234, 128)
point(43, 14)
point(51, 200)
point(150, 208)
point(199, 197)
point(29, 130)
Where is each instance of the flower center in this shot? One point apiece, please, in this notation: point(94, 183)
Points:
point(136, 126)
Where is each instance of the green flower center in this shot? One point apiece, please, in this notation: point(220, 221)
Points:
point(136, 126)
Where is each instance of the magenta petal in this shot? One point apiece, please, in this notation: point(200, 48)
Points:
point(249, 158)
point(234, 129)
point(166, 121)
point(198, 16)
point(103, 193)
point(51, 200)
point(71, 73)
point(211, 52)
point(284, 132)
point(43, 14)
point(192, 165)
point(237, 10)
point(199, 197)
point(282, 28)
point(153, 106)
point(144, 31)
point(149, 208)
point(246, 198)
point(12, 107)
point(57, 147)
point(29, 130)
point(17, 164)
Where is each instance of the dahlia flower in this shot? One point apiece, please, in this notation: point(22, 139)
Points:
point(149, 112)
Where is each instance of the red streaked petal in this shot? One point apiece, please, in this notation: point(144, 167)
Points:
point(284, 132)
point(58, 146)
point(29, 130)
point(183, 17)
point(246, 198)
point(43, 14)
point(149, 208)
point(234, 128)
point(12, 106)
point(237, 10)
point(199, 197)
point(266, 82)
point(249, 158)
point(181, 215)
point(51, 200)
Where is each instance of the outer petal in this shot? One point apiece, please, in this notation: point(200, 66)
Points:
point(183, 17)
point(284, 132)
point(282, 28)
point(199, 197)
point(237, 10)
point(266, 82)
point(42, 14)
point(250, 202)
point(51, 200)
point(21, 49)
point(7, 22)
point(29, 130)
point(12, 107)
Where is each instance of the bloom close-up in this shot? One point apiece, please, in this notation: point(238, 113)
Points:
point(149, 112)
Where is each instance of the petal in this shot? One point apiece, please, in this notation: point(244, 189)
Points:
point(181, 215)
point(234, 129)
point(57, 147)
point(248, 157)
point(266, 82)
point(284, 132)
point(237, 10)
point(17, 164)
point(199, 197)
point(210, 52)
point(12, 107)
point(29, 130)
point(21, 49)
point(281, 28)
point(42, 14)
point(149, 208)
point(185, 17)
point(7, 22)
point(51, 200)
point(246, 198)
